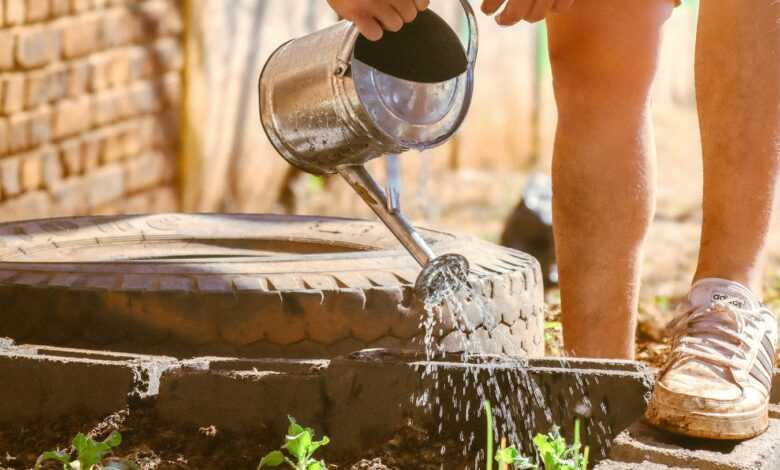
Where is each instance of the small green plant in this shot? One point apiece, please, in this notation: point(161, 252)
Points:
point(89, 453)
point(552, 447)
point(300, 444)
point(557, 455)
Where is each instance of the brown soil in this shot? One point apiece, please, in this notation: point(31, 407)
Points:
point(156, 446)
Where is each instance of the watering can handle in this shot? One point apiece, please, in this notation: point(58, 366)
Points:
point(344, 57)
point(471, 55)
point(473, 45)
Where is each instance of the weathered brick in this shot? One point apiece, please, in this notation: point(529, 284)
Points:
point(111, 148)
point(119, 68)
point(70, 154)
point(146, 171)
point(120, 27)
point(44, 86)
point(106, 184)
point(137, 204)
point(72, 116)
point(165, 133)
point(146, 130)
point(19, 132)
point(37, 10)
point(172, 88)
point(40, 127)
point(78, 6)
point(141, 65)
point(13, 93)
point(58, 82)
point(131, 140)
point(7, 43)
point(124, 102)
point(81, 36)
point(32, 205)
point(164, 200)
point(37, 46)
point(32, 171)
point(10, 176)
point(146, 97)
point(3, 136)
point(14, 12)
point(105, 108)
point(163, 17)
point(36, 88)
point(70, 196)
point(167, 53)
point(60, 7)
point(90, 152)
point(98, 72)
point(52, 171)
point(89, 119)
point(78, 78)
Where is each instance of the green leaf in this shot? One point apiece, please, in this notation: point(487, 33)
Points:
point(317, 444)
point(507, 456)
point(298, 445)
point(524, 463)
point(294, 428)
point(113, 440)
point(272, 459)
point(58, 455)
point(317, 466)
point(90, 453)
point(80, 442)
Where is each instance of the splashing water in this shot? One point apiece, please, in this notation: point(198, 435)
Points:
point(459, 326)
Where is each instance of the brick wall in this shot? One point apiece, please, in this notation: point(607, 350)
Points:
point(89, 96)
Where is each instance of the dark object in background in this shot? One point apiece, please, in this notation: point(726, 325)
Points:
point(529, 227)
point(415, 53)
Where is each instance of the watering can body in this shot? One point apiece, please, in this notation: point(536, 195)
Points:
point(327, 107)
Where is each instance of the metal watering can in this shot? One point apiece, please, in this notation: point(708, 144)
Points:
point(332, 100)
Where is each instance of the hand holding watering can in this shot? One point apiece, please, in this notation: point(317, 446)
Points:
point(372, 17)
point(333, 100)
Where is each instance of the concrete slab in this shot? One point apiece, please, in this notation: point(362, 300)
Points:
point(613, 465)
point(363, 399)
point(244, 395)
point(641, 442)
point(36, 386)
point(536, 394)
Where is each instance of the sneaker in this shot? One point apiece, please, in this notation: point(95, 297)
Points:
point(717, 380)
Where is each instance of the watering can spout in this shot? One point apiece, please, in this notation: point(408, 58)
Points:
point(372, 194)
point(449, 268)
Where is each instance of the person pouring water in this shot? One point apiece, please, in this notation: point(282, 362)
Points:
point(604, 56)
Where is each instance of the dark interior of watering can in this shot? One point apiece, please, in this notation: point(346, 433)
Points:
point(426, 50)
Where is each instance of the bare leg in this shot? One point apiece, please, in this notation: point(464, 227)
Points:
point(738, 91)
point(604, 56)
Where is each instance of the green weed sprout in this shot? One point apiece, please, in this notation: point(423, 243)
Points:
point(300, 444)
point(556, 455)
point(552, 447)
point(89, 453)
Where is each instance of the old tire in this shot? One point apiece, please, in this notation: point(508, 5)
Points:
point(245, 285)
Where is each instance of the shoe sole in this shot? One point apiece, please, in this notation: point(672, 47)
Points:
point(727, 427)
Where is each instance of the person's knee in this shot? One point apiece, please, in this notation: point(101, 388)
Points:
point(585, 75)
point(606, 56)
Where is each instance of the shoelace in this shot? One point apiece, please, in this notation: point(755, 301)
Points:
point(716, 334)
